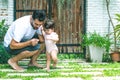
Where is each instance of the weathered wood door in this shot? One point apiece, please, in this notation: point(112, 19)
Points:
point(68, 15)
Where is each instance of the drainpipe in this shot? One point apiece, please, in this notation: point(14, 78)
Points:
point(84, 26)
point(49, 9)
point(14, 9)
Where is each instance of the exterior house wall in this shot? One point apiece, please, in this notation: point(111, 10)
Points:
point(97, 18)
point(3, 10)
point(6, 10)
point(10, 11)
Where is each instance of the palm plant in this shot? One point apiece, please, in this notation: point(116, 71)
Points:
point(116, 29)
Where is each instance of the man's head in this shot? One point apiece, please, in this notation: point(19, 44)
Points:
point(38, 18)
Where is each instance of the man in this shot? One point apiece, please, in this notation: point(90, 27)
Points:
point(19, 39)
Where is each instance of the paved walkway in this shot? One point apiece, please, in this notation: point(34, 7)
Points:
point(64, 69)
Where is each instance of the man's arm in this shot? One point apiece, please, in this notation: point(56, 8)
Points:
point(18, 45)
point(41, 38)
point(42, 45)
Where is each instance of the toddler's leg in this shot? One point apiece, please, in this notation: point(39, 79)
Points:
point(48, 61)
point(54, 57)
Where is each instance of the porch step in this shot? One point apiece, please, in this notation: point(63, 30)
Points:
point(47, 74)
point(11, 70)
point(27, 74)
point(106, 78)
point(10, 79)
point(83, 73)
point(100, 69)
point(59, 61)
point(57, 79)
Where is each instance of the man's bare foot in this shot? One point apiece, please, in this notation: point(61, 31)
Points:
point(36, 65)
point(14, 65)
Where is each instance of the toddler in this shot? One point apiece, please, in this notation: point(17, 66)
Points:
point(51, 38)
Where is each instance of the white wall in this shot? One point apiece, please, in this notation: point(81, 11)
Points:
point(10, 11)
point(3, 10)
point(6, 11)
point(97, 18)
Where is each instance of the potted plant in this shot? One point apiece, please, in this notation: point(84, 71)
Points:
point(114, 35)
point(115, 48)
point(97, 45)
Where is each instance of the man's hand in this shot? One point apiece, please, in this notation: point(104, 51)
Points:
point(34, 42)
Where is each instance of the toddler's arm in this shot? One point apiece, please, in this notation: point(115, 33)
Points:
point(53, 37)
point(43, 32)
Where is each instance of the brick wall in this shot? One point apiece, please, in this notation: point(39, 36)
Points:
point(6, 10)
point(3, 10)
point(97, 18)
point(10, 11)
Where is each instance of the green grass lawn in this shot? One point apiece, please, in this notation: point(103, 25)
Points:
point(66, 69)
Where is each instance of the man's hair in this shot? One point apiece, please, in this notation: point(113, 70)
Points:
point(49, 24)
point(39, 14)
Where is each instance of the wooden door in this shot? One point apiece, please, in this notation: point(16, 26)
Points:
point(67, 14)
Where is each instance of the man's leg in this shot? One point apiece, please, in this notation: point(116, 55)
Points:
point(33, 61)
point(14, 60)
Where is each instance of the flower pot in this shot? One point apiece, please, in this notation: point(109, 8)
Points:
point(115, 56)
point(96, 53)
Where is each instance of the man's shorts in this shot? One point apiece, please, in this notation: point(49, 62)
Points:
point(17, 51)
point(28, 48)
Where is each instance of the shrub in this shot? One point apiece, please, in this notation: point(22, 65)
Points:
point(3, 29)
point(96, 39)
point(3, 54)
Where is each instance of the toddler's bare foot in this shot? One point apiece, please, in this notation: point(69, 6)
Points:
point(54, 65)
point(14, 65)
point(48, 70)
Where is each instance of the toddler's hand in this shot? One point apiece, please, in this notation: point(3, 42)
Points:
point(41, 27)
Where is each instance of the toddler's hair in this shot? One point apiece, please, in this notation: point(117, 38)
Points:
point(49, 24)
